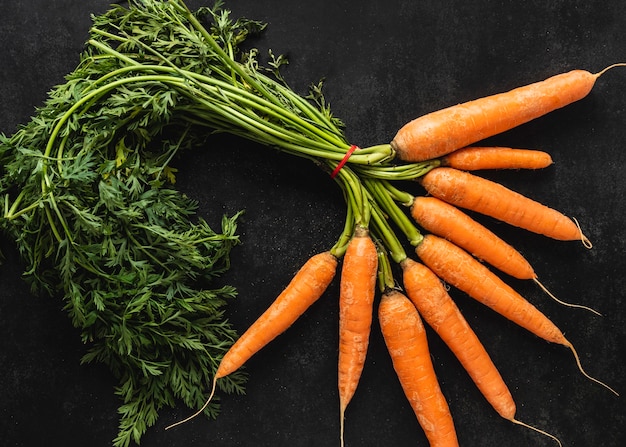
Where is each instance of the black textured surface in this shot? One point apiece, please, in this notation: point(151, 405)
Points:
point(385, 63)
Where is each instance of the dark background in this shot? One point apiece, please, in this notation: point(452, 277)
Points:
point(385, 62)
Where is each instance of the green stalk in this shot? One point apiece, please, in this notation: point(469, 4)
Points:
point(233, 65)
point(239, 94)
point(409, 171)
point(385, 273)
point(387, 235)
point(397, 215)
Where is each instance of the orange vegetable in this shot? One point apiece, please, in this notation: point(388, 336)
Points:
point(356, 301)
point(477, 158)
point(443, 131)
point(305, 288)
point(459, 269)
point(447, 221)
point(434, 304)
point(484, 196)
point(407, 344)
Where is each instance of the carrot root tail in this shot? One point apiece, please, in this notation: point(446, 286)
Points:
point(579, 306)
point(342, 418)
point(187, 419)
point(584, 239)
point(538, 430)
point(593, 379)
point(601, 72)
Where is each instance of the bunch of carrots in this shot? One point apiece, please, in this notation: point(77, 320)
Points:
point(451, 247)
point(205, 81)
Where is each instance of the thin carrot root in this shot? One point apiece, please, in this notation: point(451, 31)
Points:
point(515, 421)
point(197, 413)
point(341, 425)
point(586, 242)
point(580, 367)
point(579, 306)
point(601, 72)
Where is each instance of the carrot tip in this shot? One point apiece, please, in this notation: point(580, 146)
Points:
point(187, 419)
point(580, 367)
point(619, 64)
point(341, 425)
point(579, 306)
point(586, 242)
point(543, 432)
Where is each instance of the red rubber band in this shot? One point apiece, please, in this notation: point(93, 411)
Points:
point(344, 160)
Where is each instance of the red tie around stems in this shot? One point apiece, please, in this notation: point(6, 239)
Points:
point(344, 160)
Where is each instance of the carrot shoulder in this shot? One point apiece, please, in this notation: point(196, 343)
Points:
point(356, 300)
point(441, 132)
point(484, 196)
point(407, 344)
point(434, 304)
point(447, 221)
point(479, 157)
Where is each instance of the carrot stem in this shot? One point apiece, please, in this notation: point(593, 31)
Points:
point(378, 188)
point(387, 235)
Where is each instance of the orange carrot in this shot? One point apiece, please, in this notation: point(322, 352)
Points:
point(407, 344)
point(305, 288)
point(356, 300)
point(447, 221)
point(441, 132)
point(477, 158)
point(461, 270)
point(434, 304)
point(484, 196)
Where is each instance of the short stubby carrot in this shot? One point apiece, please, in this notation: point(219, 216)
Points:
point(406, 341)
point(469, 191)
point(461, 270)
point(357, 288)
point(449, 222)
point(482, 158)
point(304, 289)
point(434, 304)
point(443, 131)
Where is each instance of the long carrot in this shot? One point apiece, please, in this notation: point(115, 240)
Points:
point(407, 344)
point(440, 218)
point(356, 300)
point(441, 132)
point(480, 157)
point(305, 288)
point(459, 269)
point(447, 221)
point(436, 306)
point(484, 196)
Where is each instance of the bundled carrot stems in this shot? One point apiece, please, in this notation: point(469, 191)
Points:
point(89, 198)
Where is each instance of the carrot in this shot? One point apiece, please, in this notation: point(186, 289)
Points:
point(434, 304)
point(459, 269)
point(305, 288)
point(443, 131)
point(484, 196)
point(407, 344)
point(447, 221)
point(477, 158)
point(356, 299)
